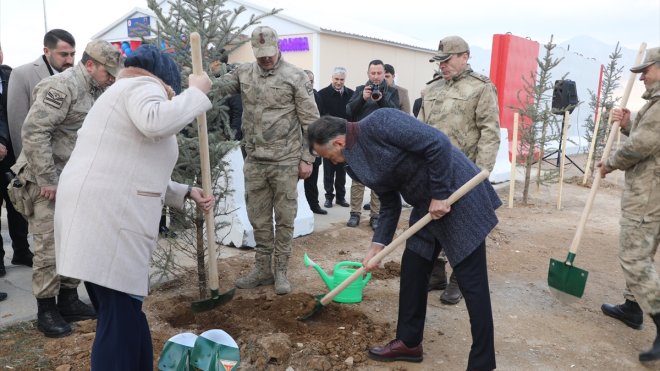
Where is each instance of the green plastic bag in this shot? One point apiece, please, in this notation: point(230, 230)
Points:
point(215, 350)
point(177, 352)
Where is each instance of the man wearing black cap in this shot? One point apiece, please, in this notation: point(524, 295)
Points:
point(462, 104)
point(639, 157)
point(49, 135)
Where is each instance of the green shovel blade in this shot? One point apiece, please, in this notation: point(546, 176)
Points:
point(566, 277)
point(215, 300)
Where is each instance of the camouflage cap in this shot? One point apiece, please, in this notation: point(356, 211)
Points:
point(106, 54)
point(264, 42)
point(448, 46)
point(652, 56)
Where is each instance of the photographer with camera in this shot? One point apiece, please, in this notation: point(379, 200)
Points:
point(367, 98)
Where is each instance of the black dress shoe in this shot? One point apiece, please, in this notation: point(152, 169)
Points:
point(342, 203)
point(367, 206)
point(316, 209)
point(396, 350)
point(3, 296)
point(327, 204)
point(22, 258)
point(3, 271)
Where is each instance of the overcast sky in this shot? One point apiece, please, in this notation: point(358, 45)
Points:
point(627, 21)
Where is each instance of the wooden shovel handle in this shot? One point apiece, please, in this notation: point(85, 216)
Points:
point(465, 188)
point(196, 54)
point(606, 154)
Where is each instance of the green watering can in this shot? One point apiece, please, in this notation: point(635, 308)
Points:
point(353, 292)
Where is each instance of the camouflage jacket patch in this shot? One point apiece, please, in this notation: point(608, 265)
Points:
point(54, 98)
point(309, 87)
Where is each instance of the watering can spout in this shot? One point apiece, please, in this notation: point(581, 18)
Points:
point(324, 276)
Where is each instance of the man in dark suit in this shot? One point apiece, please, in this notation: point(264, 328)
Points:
point(18, 227)
point(311, 183)
point(334, 98)
point(395, 155)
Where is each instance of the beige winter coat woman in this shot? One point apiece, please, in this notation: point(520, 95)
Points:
point(112, 190)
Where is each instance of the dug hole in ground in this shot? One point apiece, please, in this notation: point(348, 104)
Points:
point(533, 330)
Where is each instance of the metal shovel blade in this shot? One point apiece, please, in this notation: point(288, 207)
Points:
point(215, 300)
point(318, 306)
point(567, 278)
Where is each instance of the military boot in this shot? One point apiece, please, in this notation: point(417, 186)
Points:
point(49, 319)
point(72, 308)
point(282, 285)
point(629, 313)
point(438, 279)
point(261, 274)
point(452, 294)
point(354, 220)
point(653, 354)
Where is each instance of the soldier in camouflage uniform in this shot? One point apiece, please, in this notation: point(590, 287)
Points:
point(462, 104)
point(278, 105)
point(61, 103)
point(639, 157)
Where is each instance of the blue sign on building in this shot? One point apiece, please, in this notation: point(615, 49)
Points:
point(138, 27)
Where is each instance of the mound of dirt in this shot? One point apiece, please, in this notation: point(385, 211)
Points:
point(390, 269)
point(333, 335)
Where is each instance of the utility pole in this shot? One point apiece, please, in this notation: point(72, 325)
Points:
point(45, 23)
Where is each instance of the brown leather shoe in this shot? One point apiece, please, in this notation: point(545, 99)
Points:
point(396, 350)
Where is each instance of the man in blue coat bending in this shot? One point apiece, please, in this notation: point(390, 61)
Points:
point(395, 155)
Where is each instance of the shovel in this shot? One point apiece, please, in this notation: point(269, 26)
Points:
point(322, 301)
point(563, 277)
point(216, 298)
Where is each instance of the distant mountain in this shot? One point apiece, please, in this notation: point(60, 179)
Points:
point(480, 60)
point(589, 47)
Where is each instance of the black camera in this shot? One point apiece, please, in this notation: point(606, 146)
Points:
point(375, 92)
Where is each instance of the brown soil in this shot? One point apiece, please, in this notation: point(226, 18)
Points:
point(336, 331)
point(389, 270)
point(533, 330)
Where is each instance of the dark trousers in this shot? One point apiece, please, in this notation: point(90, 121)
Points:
point(17, 224)
point(311, 187)
point(472, 277)
point(334, 175)
point(123, 340)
